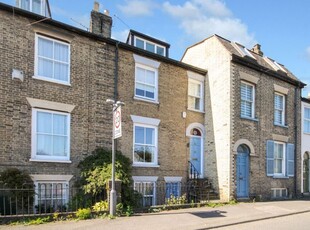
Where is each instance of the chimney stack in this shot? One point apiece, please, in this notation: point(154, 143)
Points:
point(256, 49)
point(100, 23)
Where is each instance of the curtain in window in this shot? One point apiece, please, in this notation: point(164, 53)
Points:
point(53, 59)
point(52, 136)
point(145, 83)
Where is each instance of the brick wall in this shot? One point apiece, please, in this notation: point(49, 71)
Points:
point(92, 82)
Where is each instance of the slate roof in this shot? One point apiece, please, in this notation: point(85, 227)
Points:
point(260, 61)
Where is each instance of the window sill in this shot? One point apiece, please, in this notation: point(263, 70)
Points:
point(195, 110)
point(249, 118)
point(145, 165)
point(51, 80)
point(145, 100)
point(280, 177)
point(51, 161)
point(306, 133)
point(280, 125)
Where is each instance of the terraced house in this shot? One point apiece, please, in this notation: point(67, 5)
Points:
point(252, 121)
point(305, 146)
point(55, 80)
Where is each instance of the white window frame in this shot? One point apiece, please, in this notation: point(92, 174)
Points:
point(34, 156)
point(282, 123)
point(147, 123)
point(201, 109)
point(306, 120)
point(253, 100)
point(151, 43)
point(282, 174)
point(155, 157)
point(144, 67)
point(151, 65)
point(144, 180)
point(36, 62)
point(42, 10)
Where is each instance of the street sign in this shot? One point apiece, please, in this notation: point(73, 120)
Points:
point(117, 122)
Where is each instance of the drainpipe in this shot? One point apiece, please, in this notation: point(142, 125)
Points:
point(296, 112)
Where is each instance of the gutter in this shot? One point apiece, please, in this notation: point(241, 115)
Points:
point(267, 71)
point(110, 41)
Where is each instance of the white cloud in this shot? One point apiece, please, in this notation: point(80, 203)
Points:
point(138, 7)
point(203, 18)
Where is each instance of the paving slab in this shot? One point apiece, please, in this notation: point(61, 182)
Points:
point(193, 218)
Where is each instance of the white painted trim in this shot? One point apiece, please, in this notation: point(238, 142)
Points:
point(146, 61)
point(38, 103)
point(253, 102)
point(145, 120)
point(48, 160)
point(247, 143)
point(34, 156)
point(49, 177)
point(200, 83)
point(145, 178)
point(195, 125)
point(280, 89)
point(170, 179)
point(195, 76)
point(36, 61)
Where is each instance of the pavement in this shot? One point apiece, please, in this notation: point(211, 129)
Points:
point(192, 218)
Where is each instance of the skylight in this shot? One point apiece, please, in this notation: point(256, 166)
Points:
point(242, 50)
point(274, 64)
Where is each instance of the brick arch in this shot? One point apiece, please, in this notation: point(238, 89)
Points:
point(245, 142)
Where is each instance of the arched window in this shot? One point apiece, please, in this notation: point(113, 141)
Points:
point(196, 132)
point(243, 149)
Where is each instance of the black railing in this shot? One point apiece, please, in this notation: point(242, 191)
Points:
point(193, 172)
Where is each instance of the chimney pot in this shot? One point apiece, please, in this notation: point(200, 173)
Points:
point(96, 6)
point(106, 12)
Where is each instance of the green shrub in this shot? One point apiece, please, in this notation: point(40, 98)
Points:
point(176, 200)
point(83, 213)
point(19, 189)
point(101, 206)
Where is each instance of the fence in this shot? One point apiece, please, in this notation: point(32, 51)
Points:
point(49, 198)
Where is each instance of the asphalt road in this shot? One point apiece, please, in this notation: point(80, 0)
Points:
point(292, 222)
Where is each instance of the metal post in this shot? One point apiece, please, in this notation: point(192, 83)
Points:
point(113, 192)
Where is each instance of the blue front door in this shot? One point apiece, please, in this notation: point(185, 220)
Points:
point(242, 175)
point(195, 156)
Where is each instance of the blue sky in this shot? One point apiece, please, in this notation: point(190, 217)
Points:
point(281, 27)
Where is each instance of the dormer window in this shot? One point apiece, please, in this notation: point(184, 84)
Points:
point(148, 43)
point(243, 51)
point(35, 6)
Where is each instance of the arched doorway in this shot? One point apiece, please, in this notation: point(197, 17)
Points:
point(196, 149)
point(242, 172)
point(306, 172)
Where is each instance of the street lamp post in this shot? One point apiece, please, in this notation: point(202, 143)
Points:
point(115, 106)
